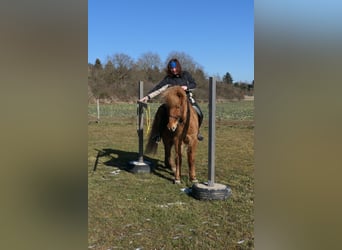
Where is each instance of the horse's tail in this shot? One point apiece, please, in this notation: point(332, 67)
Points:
point(151, 146)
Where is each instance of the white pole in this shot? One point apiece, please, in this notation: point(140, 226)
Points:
point(98, 109)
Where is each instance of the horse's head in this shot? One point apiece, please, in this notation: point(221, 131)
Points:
point(175, 100)
point(175, 117)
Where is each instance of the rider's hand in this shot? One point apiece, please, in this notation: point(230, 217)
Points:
point(184, 87)
point(144, 99)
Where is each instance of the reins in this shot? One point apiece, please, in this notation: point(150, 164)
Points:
point(187, 121)
point(140, 108)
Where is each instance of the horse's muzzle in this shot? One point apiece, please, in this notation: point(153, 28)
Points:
point(173, 123)
point(173, 127)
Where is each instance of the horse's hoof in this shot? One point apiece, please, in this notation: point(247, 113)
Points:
point(194, 181)
point(177, 182)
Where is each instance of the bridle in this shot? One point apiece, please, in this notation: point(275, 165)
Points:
point(180, 120)
point(177, 118)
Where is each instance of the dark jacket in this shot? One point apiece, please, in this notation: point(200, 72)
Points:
point(183, 79)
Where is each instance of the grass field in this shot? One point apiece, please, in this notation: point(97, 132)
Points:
point(148, 211)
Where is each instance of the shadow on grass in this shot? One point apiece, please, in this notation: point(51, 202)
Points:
point(121, 159)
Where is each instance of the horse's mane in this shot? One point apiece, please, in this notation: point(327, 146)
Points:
point(174, 96)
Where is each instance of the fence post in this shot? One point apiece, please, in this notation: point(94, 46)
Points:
point(98, 109)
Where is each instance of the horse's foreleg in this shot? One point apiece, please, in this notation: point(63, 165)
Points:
point(178, 161)
point(167, 156)
point(191, 161)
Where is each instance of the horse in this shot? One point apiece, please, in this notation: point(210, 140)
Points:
point(176, 121)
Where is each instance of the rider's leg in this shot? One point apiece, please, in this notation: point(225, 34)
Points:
point(200, 119)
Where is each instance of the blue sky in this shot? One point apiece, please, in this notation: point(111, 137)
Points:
point(218, 34)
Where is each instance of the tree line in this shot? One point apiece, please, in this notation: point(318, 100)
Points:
point(117, 79)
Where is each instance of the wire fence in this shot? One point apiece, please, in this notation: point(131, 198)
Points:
point(233, 111)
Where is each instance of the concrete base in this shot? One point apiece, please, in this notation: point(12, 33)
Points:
point(139, 167)
point(203, 191)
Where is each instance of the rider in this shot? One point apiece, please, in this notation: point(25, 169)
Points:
point(176, 77)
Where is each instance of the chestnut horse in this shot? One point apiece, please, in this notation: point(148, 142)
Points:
point(177, 123)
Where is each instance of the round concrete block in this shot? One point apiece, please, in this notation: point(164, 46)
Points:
point(203, 191)
point(139, 167)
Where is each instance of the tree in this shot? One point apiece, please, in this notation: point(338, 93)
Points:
point(98, 64)
point(217, 77)
point(108, 73)
point(148, 61)
point(150, 64)
point(227, 78)
point(95, 79)
point(123, 64)
point(121, 60)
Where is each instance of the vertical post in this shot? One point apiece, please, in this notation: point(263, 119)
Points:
point(98, 109)
point(211, 141)
point(140, 166)
point(212, 191)
point(141, 123)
